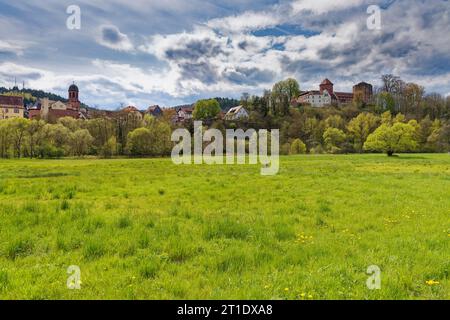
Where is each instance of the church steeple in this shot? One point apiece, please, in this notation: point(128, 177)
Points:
point(74, 102)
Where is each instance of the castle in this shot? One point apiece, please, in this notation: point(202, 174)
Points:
point(327, 96)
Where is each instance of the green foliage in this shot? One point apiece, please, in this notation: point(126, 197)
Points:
point(334, 140)
point(206, 109)
point(282, 94)
point(297, 147)
point(391, 139)
point(360, 128)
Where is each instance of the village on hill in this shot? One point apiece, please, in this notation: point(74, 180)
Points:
point(321, 120)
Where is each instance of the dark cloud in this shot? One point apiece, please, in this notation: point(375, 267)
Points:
point(194, 50)
point(201, 71)
point(22, 75)
point(249, 76)
point(111, 34)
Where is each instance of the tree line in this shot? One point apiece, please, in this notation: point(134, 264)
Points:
point(400, 118)
point(103, 137)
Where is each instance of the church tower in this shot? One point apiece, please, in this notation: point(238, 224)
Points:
point(74, 102)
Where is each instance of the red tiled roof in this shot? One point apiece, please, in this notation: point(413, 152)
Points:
point(11, 101)
point(63, 113)
point(326, 81)
point(344, 94)
point(130, 109)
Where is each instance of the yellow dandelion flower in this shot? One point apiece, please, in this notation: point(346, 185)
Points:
point(286, 289)
point(432, 282)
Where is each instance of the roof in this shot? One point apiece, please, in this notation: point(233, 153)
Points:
point(344, 94)
point(365, 84)
point(11, 101)
point(306, 93)
point(153, 108)
point(73, 87)
point(130, 109)
point(185, 109)
point(326, 82)
point(235, 110)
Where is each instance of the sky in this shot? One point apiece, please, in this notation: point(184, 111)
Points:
point(147, 52)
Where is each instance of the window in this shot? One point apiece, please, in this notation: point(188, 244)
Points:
point(16, 110)
point(6, 110)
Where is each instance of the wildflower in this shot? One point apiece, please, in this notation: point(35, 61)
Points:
point(432, 282)
point(310, 296)
point(286, 289)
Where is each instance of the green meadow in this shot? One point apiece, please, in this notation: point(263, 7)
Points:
point(148, 229)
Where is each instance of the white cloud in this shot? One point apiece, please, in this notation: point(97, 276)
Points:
point(246, 21)
point(323, 6)
point(14, 47)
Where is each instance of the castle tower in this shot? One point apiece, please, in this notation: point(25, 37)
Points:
point(74, 102)
point(364, 90)
point(326, 85)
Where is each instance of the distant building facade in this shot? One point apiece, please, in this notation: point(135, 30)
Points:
point(52, 110)
point(155, 111)
point(327, 96)
point(11, 107)
point(237, 113)
point(184, 113)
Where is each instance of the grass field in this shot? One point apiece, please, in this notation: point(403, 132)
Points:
point(147, 229)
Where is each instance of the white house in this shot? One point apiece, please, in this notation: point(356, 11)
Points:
point(315, 98)
point(237, 113)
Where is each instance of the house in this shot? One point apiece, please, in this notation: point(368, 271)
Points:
point(237, 113)
point(315, 98)
point(155, 111)
point(131, 111)
point(184, 113)
point(11, 107)
point(53, 110)
point(327, 96)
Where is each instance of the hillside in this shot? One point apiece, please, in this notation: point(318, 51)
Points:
point(31, 95)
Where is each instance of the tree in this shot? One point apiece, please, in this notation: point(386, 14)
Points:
point(35, 135)
point(139, 142)
point(206, 109)
point(282, 94)
point(70, 123)
point(5, 139)
point(385, 102)
point(390, 139)
point(334, 140)
point(160, 135)
point(360, 128)
point(297, 147)
point(57, 141)
point(17, 128)
point(80, 141)
point(335, 121)
point(109, 149)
